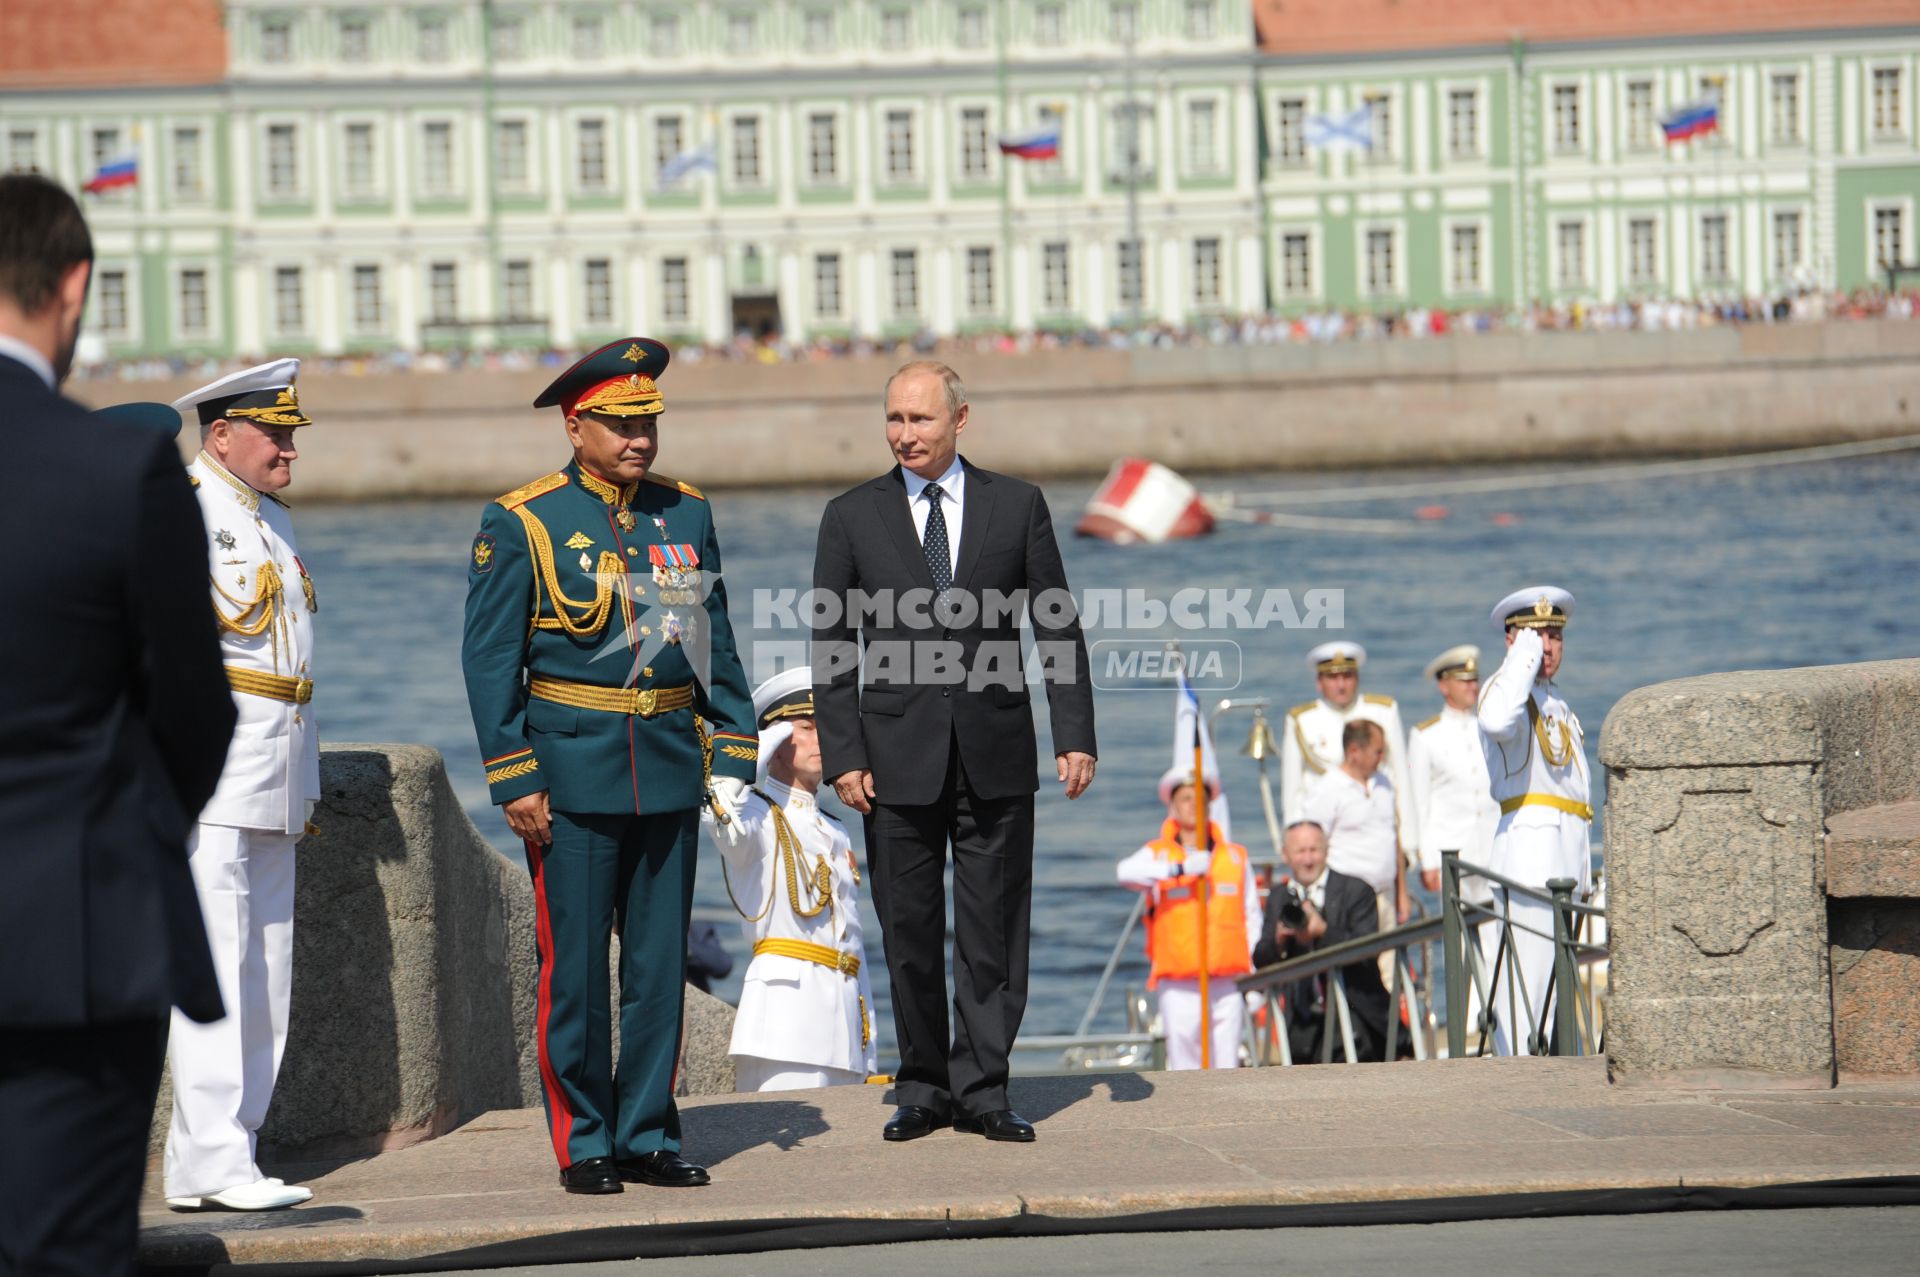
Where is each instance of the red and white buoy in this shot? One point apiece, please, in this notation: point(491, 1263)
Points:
point(1144, 501)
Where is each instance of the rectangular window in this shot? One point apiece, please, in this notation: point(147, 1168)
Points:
point(905, 278)
point(1889, 237)
point(111, 311)
point(106, 149)
point(356, 39)
point(1056, 277)
point(1131, 127)
point(1052, 115)
point(980, 281)
point(1640, 121)
point(1049, 25)
point(973, 28)
point(283, 159)
point(896, 30)
point(1296, 264)
point(826, 285)
point(900, 146)
point(741, 33)
point(276, 39)
point(1888, 119)
point(1714, 258)
point(369, 305)
point(512, 161)
point(436, 157)
point(357, 176)
point(23, 151)
point(1382, 274)
point(1132, 289)
point(1381, 118)
point(289, 300)
point(823, 147)
point(1570, 254)
point(1713, 88)
point(1203, 140)
point(589, 37)
point(1206, 272)
point(1463, 124)
point(664, 29)
point(516, 289)
point(1463, 259)
point(443, 293)
point(669, 139)
point(976, 144)
point(590, 154)
point(673, 290)
point(195, 311)
point(1123, 21)
point(189, 163)
point(434, 45)
point(1199, 19)
point(1643, 252)
point(1290, 147)
point(596, 290)
point(1566, 117)
point(746, 150)
point(1783, 106)
point(1786, 242)
point(509, 39)
point(818, 32)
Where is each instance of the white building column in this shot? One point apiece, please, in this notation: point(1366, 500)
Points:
point(796, 303)
point(713, 314)
point(1169, 285)
point(246, 323)
point(328, 284)
point(1251, 293)
point(866, 295)
point(560, 309)
point(943, 287)
point(1093, 287)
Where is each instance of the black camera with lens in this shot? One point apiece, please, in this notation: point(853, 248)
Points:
point(1293, 912)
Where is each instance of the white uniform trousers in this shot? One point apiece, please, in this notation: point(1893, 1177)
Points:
point(223, 1073)
point(1180, 1021)
point(1533, 854)
point(752, 1073)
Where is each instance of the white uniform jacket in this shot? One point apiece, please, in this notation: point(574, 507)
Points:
point(792, 1009)
point(1453, 806)
point(260, 585)
point(1310, 748)
point(1535, 752)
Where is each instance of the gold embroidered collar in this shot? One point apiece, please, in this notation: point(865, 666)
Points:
point(607, 492)
point(249, 496)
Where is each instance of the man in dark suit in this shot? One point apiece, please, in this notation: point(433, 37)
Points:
point(114, 720)
point(930, 564)
point(1337, 908)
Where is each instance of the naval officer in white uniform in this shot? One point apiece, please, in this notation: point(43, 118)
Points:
point(1311, 748)
point(241, 852)
point(1453, 807)
point(1537, 768)
point(806, 1007)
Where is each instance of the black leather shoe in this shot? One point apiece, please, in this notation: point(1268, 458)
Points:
point(910, 1122)
point(594, 1175)
point(1001, 1124)
point(663, 1170)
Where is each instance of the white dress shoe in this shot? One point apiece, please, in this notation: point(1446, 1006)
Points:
point(262, 1194)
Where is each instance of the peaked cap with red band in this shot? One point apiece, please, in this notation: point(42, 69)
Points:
point(617, 380)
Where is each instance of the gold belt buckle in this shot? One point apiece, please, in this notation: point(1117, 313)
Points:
point(645, 700)
point(302, 691)
point(848, 964)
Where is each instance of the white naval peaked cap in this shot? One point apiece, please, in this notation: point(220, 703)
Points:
point(1537, 607)
point(263, 393)
point(1336, 657)
point(1461, 662)
point(1174, 777)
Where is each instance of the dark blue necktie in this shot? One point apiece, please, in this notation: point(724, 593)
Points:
point(935, 542)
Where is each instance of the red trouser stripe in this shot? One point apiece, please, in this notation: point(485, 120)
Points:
point(559, 1112)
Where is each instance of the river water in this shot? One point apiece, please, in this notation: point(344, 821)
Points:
point(1674, 576)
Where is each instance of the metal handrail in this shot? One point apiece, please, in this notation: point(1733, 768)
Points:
point(1403, 987)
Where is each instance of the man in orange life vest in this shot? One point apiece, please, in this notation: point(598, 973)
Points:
point(1170, 869)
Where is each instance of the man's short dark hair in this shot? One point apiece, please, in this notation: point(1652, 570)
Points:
point(43, 235)
point(1359, 731)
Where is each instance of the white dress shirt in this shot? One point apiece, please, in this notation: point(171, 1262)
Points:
point(1359, 817)
point(1310, 749)
point(14, 348)
point(953, 483)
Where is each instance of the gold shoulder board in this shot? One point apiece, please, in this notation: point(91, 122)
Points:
point(687, 488)
point(1374, 698)
point(538, 488)
point(1425, 723)
point(194, 479)
point(1301, 708)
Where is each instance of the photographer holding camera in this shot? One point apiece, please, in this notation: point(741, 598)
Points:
point(1313, 908)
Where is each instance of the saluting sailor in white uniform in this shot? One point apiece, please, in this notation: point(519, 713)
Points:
point(1537, 768)
point(1310, 747)
point(242, 850)
point(806, 1007)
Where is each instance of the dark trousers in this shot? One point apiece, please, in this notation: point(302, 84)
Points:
point(992, 843)
point(75, 1105)
point(602, 872)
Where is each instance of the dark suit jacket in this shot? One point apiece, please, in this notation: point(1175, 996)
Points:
point(900, 723)
point(114, 717)
point(1351, 912)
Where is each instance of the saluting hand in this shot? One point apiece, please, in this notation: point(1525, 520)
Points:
point(855, 789)
point(1075, 770)
point(530, 816)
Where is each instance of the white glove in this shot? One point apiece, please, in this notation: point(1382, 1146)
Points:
point(307, 816)
point(1529, 646)
point(731, 795)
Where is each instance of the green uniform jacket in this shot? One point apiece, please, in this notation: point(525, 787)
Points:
point(620, 620)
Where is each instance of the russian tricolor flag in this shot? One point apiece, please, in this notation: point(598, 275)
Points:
point(1039, 144)
point(1691, 121)
point(123, 170)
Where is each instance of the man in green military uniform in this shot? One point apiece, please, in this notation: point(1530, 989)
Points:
point(610, 704)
